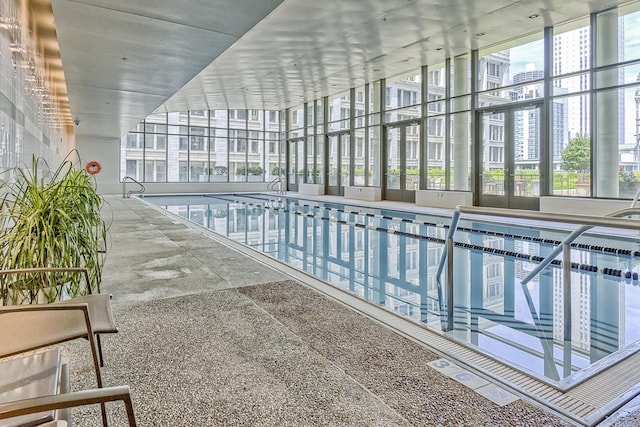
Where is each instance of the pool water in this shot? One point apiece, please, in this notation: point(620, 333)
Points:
point(391, 258)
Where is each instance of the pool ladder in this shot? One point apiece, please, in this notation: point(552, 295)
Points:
point(127, 194)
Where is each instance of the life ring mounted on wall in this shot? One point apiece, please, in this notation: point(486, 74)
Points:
point(93, 168)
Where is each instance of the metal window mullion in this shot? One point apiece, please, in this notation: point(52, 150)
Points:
point(546, 142)
point(382, 95)
point(228, 129)
point(367, 121)
point(208, 168)
point(423, 146)
point(285, 139)
point(473, 103)
point(352, 133)
point(166, 151)
point(305, 105)
point(592, 98)
point(246, 149)
point(325, 150)
point(447, 124)
point(188, 146)
point(315, 141)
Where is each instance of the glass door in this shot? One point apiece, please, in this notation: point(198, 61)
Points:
point(402, 159)
point(338, 165)
point(510, 141)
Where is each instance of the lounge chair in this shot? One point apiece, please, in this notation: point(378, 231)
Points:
point(29, 327)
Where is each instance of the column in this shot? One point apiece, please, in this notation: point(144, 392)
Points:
point(606, 106)
point(460, 155)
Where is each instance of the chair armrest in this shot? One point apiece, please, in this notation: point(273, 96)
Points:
point(55, 326)
point(41, 325)
point(70, 400)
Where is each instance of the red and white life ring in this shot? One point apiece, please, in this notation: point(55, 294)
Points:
point(93, 168)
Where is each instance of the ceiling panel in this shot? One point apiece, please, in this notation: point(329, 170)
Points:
point(209, 54)
point(228, 17)
point(122, 59)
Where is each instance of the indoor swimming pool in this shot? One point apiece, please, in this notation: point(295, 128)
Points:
point(392, 257)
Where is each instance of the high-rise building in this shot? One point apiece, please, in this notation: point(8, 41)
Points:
point(527, 136)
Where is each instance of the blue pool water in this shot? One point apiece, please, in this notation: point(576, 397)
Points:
point(391, 258)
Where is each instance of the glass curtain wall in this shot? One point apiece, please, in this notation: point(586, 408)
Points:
point(373, 101)
point(403, 100)
point(598, 104)
point(295, 144)
point(310, 148)
point(571, 145)
point(156, 152)
point(590, 114)
point(219, 156)
point(434, 128)
point(512, 73)
point(203, 146)
point(616, 104)
point(459, 125)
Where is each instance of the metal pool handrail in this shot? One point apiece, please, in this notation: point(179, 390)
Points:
point(126, 194)
point(278, 184)
point(572, 237)
point(587, 222)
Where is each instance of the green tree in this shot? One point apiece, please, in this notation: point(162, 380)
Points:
point(577, 154)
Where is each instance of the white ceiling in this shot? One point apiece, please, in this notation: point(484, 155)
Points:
point(124, 59)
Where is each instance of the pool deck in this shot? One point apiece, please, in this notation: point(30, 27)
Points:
point(212, 335)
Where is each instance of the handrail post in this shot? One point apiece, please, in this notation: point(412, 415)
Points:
point(566, 297)
point(450, 246)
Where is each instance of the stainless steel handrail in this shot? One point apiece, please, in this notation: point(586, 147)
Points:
point(125, 194)
point(271, 186)
point(277, 184)
point(612, 220)
point(573, 236)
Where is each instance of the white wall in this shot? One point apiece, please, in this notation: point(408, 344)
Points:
point(105, 151)
point(584, 206)
point(443, 199)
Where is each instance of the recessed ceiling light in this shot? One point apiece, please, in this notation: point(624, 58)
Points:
point(375, 70)
point(480, 34)
point(534, 16)
point(439, 48)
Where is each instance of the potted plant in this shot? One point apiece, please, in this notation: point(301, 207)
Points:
point(255, 173)
point(628, 184)
point(251, 172)
point(219, 174)
point(50, 220)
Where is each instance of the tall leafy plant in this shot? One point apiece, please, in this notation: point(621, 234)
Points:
point(50, 219)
